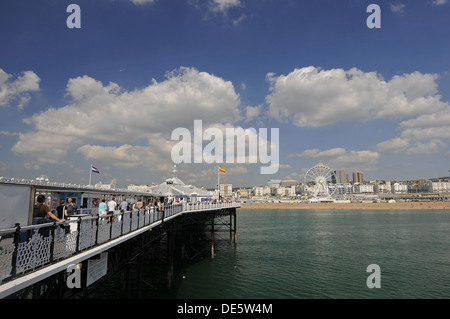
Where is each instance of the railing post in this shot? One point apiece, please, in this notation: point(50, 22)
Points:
point(122, 214)
point(131, 219)
point(78, 234)
point(96, 232)
point(16, 248)
point(52, 244)
point(139, 218)
point(111, 221)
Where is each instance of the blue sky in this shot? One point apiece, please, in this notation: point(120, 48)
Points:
point(111, 92)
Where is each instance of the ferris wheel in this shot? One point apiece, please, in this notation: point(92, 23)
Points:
point(318, 178)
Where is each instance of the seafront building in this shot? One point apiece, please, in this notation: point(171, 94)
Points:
point(364, 188)
point(105, 186)
point(293, 190)
point(339, 177)
point(226, 190)
point(138, 188)
point(358, 189)
point(438, 187)
point(358, 177)
point(398, 188)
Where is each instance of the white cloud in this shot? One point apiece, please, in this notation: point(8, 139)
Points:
point(433, 128)
point(427, 120)
point(223, 5)
point(143, 1)
point(425, 133)
point(215, 5)
point(6, 133)
point(432, 146)
point(312, 97)
point(345, 159)
point(203, 176)
point(356, 161)
point(45, 147)
point(252, 112)
point(227, 9)
point(232, 144)
point(3, 166)
point(33, 166)
point(109, 113)
point(137, 123)
point(439, 2)
point(393, 146)
point(407, 145)
point(313, 153)
point(123, 156)
point(238, 20)
point(397, 8)
point(17, 89)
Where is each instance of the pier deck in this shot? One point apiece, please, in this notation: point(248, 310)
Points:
point(34, 253)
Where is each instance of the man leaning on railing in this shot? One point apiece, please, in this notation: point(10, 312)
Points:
point(42, 215)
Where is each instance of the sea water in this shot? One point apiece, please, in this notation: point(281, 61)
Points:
point(325, 254)
point(311, 254)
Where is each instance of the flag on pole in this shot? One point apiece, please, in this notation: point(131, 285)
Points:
point(221, 169)
point(94, 170)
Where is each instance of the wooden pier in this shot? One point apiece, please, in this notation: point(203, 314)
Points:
point(51, 261)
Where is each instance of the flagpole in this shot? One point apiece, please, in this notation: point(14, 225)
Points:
point(90, 175)
point(218, 183)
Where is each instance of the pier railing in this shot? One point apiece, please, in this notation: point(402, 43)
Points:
point(26, 248)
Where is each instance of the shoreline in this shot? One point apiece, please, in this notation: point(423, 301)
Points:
point(350, 206)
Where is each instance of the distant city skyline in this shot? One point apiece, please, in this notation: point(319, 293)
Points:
point(110, 90)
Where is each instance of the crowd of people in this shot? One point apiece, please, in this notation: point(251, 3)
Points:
point(110, 207)
point(43, 214)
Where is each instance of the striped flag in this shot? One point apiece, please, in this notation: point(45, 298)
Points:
point(221, 169)
point(94, 170)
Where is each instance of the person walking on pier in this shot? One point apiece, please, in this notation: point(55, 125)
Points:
point(70, 207)
point(140, 206)
point(123, 206)
point(102, 207)
point(112, 205)
point(61, 211)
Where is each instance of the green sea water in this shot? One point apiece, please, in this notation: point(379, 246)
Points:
point(313, 254)
point(325, 254)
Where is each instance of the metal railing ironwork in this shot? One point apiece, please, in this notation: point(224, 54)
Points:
point(26, 248)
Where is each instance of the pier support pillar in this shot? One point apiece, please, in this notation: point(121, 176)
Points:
point(126, 281)
point(139, 278)
point(170, 257)
point(234, 226)
point(231, 228)
point(184, 239)
point(212, 238)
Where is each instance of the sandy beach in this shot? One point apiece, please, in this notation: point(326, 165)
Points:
point(348, 206)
